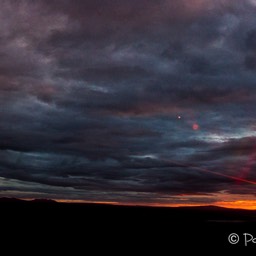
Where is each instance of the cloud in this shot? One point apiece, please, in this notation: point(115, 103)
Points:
point(91, 91)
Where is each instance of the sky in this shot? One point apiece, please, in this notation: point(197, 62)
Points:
point(148, 102)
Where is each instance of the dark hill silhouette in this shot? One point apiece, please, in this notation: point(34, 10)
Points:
point(10, 200)
point(162, 228)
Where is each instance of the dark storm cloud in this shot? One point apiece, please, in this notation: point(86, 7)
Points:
point(91, 91)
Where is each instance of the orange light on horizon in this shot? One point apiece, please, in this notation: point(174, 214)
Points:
point(235, 204)
point(239, 204)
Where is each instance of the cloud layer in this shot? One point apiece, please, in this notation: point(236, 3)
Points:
point(127, 100)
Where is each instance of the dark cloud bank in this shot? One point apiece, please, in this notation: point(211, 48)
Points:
point(99, 98)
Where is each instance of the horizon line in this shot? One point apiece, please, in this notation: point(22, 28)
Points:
point(236, 205)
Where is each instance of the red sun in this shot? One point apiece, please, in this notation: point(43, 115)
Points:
point(195, 127)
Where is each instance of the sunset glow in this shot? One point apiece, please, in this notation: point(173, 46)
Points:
point(246, 205)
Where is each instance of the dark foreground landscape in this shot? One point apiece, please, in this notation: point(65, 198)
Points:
point(83, 226)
